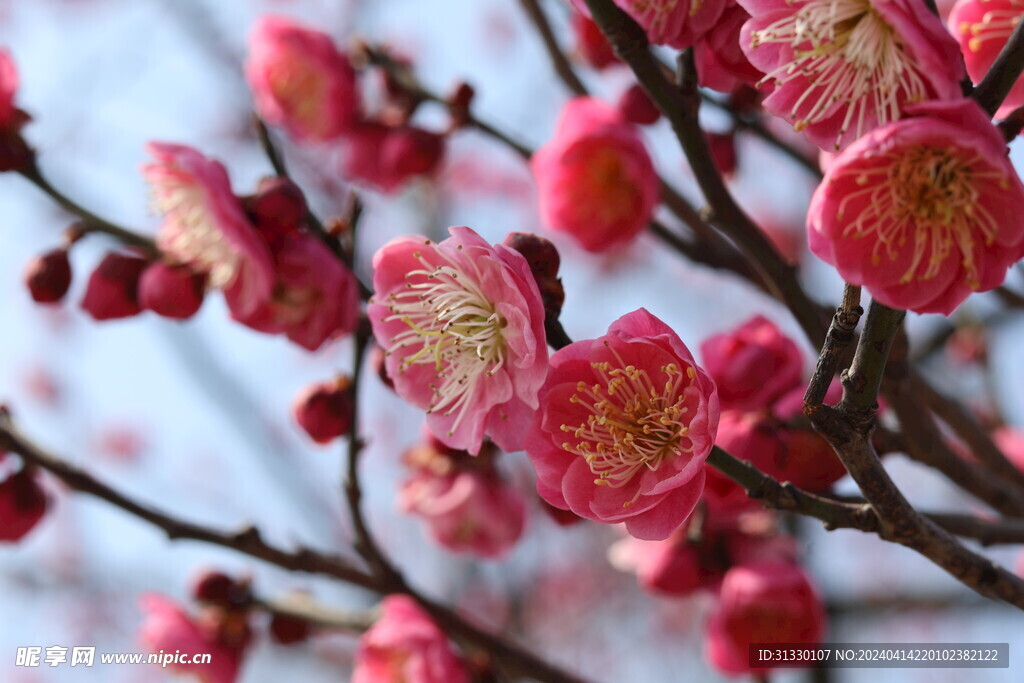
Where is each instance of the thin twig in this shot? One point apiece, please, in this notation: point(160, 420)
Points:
point(558, 59)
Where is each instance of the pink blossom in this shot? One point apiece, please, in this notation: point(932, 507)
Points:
point(982, 28)
point(406, 646)
point(315, 296)
point(300, 80)
point(22, 504)
point(923, 211)
point(462, 323)
point(721, 63)
point(625, 424)
point(673, 566)
point(9, 82)
point(113, 288)
point(753, 364)
point(595, 179)
point(676, 23)
point(171, 291)
point(769, 602)
point(168, 628)
point(466, 504)
point(386, 157)
point(848, 66)
point(205, 226)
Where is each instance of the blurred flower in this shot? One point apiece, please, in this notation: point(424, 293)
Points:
point(462, 323)
point(837, 64)
point(14, 151)
point(636, 106)
point(167, 628)
point(300, 80)
point(982, 28)
point(324, 410)
point(625, 424)
point(594, 177)
point(753, 364)
point(278, 209)
point(385, 157)
point(466, 504)
point(721, 62)
point(113, 288)
point(9, 83)
point(22, 504)
point(676, 23)
point(171, 291)
point(205, 226)
point(923, 211)
point(770, 602)
point(406, 646)
point(673, 566)
point(48, 276)
point(315, 297)
point(591, 45)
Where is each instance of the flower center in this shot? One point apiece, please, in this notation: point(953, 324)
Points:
point(633, 422)
point(994, 25)
point(928, 195)
point(191, 233)
point(609, 192)
point(844, 53)
point(451, 325)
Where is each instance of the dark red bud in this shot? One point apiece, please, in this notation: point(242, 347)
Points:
point(324, 411)
point(288, 630)
point(220, 589)
point(113, 287)
point(278, 208)
point(544, 261)
point(171, 291)
point(48, 277)
point(636, 107)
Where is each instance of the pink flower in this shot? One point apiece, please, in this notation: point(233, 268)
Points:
point(22, 504)
point(770, 602)
point(752, 365)
point(171, 291)
point(923, 211)
point(300, 81)
point(9, 82)
point(167, 628)
point(625, 424)
point(721, 63)
point(842, 64)
point(113, 288)
point(406, 646)
point(315, 297)
point(386, 157)
point(982, 28)
point(205, 226)
point(594, 177)
point(676, 23)
point(673, 566)
point(466, 504)
point(462, 323)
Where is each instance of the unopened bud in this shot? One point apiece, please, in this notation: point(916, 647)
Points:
point(171, 291)
point(48, 277)
point(324, 411)
point(113, 287)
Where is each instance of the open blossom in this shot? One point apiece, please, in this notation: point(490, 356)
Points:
point(676, 23)
point(840, 68)
point(765, 602)
point(406, 646)
point(462, 324)
point(465, 503)
point(315, 297)
point(205, 225)
point(300, 80)
point(982, 28)
point(595, 179)
point(923, 211)
point(625, 424)
point(753, 364)
point(168, 628)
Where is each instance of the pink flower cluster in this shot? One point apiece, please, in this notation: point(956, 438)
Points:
point(625, 424)
point(301, 82)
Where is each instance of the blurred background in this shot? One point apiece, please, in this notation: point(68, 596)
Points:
point(195, 417)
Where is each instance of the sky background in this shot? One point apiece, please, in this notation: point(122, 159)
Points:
point(195, 417)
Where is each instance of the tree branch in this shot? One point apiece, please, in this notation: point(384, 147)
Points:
point(558, 59)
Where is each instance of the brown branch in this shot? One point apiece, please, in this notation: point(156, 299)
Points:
point(558, 59)
point(1003, 73)
point(837, 340)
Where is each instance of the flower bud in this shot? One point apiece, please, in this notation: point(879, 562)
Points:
point(591, 45)
point(278, 208)
point(289, 630)
point(543, 260)
point(220, 589)
point(636, 107)
point(22, 504)
point(324, 410)
point(48, 277)
point(723, 152)
point(171, 291)
point(113, 287)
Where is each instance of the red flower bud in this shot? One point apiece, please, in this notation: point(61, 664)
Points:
point(591, 44)
point(278, 208)
point(543, 260)
point(288, 630)
point(324, 411)
point(171, 291)
point(22, 504)
point(220, 589)
point(723, 152)
point(113, 287)
point(636, 107)
point(48, 277)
